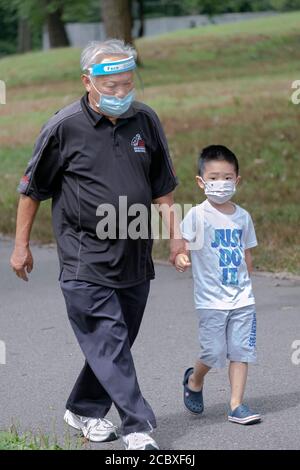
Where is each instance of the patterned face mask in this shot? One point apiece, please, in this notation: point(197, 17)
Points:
point(219, 191)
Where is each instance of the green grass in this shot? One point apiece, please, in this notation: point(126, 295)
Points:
point(238, 44)
point(13, 440)
point(274, 25)
point(228, 84)
point(37, 67)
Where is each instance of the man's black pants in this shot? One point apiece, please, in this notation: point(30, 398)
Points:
point(106, 322)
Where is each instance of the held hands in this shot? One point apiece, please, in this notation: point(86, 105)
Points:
point(182, 262)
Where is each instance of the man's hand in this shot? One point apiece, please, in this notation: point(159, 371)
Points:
point(182, 262)
point(167, 211)
point(177, 245)
point(21, 261)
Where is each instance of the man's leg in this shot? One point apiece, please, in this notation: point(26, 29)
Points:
point(87, 389)
point(88, 395)
point(96, 316)
point(133, 302)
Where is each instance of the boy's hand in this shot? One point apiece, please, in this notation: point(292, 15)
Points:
point(182, 262)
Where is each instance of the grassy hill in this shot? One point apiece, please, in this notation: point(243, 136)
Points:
point(227, 84)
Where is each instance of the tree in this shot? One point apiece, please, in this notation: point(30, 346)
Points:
point(32, 15)
point(8, 29)
point(285, 5)
point(24, 36)
point(210, 8)
point(141, 17)
point(56, 28)
point(117, 18)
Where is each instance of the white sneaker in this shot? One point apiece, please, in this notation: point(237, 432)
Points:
point(94, 429)
point(139, 441)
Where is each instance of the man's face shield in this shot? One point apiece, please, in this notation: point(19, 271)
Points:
point(114, 77)
point(114, 67)
point(113, 82)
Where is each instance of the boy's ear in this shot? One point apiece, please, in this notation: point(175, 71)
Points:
point(200, 182)
point(238, 180)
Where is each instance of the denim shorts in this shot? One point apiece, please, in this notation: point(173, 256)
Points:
point(227, 334)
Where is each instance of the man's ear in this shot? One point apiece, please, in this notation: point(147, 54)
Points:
point(200, 182)
point(86, 82)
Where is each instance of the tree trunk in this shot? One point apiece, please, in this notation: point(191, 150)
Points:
point(117, 19)
point(141, 31)
point(56, 29)
point(24, 36)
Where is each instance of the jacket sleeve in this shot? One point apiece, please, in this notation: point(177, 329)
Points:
point(42, 177)
point(162, 174)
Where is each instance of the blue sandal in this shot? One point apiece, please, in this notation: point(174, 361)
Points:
point(193, 401)
point(243, 415)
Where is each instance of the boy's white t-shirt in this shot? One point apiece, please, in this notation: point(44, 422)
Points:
point(217, 246)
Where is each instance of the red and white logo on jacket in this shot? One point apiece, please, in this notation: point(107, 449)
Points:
point(138, 143)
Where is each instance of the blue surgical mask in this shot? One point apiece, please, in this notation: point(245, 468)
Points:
point(113, 106)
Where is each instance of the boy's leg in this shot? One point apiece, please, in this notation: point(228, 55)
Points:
point(212, 338)
point(237, 376)
point(240, 413)
point(241, 341)
point(196, 379)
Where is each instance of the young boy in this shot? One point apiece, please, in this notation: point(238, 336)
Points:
point(220, 235)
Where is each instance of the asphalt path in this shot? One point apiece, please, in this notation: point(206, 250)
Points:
point(43, 360)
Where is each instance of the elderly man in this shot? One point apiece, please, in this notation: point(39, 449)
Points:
point(91, 153)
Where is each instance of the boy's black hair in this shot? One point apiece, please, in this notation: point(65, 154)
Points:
point(219, 153)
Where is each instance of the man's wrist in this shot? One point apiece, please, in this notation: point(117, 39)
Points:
point(22, 243)
point(175, 235)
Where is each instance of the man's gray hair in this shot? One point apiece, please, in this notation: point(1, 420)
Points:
point(95, 51)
